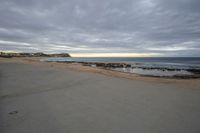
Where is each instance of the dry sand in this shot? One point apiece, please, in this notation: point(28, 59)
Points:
point(39, 97)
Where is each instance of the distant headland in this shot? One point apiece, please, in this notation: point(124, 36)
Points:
point(38, 54)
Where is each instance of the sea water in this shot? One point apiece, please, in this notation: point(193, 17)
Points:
point(155, 66)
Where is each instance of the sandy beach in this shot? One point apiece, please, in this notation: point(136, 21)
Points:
point(39, 97)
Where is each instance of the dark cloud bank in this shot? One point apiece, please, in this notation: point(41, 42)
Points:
point(163, 27)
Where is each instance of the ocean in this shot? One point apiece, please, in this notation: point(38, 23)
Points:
point(139, 65)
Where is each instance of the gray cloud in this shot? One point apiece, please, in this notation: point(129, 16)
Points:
point(169, 28)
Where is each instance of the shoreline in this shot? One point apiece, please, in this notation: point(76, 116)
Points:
point(190, 73)
point(191, 83)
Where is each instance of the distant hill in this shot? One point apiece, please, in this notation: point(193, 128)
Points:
point(39, 54)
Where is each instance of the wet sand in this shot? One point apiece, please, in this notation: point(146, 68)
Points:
point(52, 97)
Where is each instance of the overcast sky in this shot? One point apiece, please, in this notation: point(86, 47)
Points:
point(154, 27)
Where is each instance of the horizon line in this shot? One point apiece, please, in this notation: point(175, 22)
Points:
point(104, 55)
